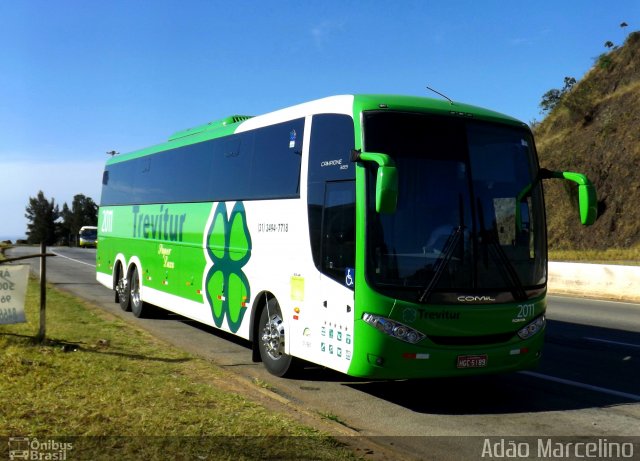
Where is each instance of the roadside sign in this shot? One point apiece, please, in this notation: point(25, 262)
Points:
point(13, 290)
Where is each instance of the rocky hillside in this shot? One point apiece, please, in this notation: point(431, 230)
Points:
point(595, 129)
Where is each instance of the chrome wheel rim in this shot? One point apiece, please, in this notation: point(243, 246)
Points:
point(121, 286)
point(135, 290)
point(273, 337)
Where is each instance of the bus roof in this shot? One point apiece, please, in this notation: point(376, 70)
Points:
point(343, 104)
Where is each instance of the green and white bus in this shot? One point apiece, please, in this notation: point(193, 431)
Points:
point(380, 236)
point(88, 236)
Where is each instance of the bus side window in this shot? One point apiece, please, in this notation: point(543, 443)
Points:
point(338, 229)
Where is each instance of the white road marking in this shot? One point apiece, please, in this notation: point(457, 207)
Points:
point(590, 387)
point(71, 259)
point(612, 342)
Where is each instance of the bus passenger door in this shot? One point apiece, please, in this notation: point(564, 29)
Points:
point(337, 279)
point(331, 211)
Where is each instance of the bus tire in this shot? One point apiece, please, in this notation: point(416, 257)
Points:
point(271, 340)
point(122, 290)
point(138, 306)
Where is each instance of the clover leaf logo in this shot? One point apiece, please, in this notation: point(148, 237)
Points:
point(229, 249)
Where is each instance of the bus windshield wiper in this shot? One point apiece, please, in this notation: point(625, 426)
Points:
point(442, 262)
point(517, 290)
point(511, 276)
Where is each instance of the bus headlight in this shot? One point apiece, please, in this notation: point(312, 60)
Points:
point(533, 328)
point(394, 329)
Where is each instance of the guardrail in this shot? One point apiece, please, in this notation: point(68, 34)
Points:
point(595, 280)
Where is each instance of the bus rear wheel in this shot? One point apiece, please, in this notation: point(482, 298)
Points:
point(138, 306)
point(122, 291)
point(271, 342)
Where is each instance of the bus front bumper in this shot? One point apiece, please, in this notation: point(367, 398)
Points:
point(397, 360)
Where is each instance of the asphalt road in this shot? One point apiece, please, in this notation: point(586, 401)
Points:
point(588, 384)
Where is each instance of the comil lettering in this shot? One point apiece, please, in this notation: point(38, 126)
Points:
point(161, 226)
point(475, 299)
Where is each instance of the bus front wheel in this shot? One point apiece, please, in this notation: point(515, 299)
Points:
point(271, 341)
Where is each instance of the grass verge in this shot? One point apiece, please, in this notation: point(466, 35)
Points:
point(118, 392)
point(623, 256)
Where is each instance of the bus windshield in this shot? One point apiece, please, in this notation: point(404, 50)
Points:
point(469, 219)
point(89, 233)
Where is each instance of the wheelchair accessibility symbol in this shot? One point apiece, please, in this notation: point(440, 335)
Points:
point(349, 277)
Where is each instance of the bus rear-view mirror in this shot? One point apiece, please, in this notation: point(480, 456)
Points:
point(587, 197)
point(386, 180)
point(386, 189)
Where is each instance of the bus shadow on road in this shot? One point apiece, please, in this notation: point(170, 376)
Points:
point(582, 367)
point(500, 394)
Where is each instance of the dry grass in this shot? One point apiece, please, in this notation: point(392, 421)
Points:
point(595, 131)
point(126, 393)
point(609, 256)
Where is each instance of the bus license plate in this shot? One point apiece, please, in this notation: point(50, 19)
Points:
point(472, 361)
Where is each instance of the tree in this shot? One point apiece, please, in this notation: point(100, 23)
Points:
point(83, 212)
point(568, 84)
point(552, 97)
point(550, 100)
point(42, 215)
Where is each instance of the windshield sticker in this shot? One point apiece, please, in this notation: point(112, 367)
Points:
point(292, 139)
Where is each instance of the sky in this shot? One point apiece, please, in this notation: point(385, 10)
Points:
point(80, 78)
